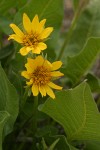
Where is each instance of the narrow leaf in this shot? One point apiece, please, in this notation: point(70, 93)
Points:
point(78, 65)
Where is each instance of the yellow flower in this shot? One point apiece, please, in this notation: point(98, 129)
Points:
point(40, 73)
point(33, 36)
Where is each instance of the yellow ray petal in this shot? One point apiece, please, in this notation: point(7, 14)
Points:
point(49, 92)
point(47, 64)
point(16, 38)
point(30, 65)
point(23, 51)
point(41, 26)
point(30, 61)
point(29, 68)
point(46, 32)
point(35, 90)
point(35, 23)
point(26, 23)
point(54, 86)
point(17, 30)
point(36, 50)
point(56, 65)
point(42, 46)
point(42, 91)
point(29, 48)
point(25, 74)
point(56, 74)
point(39, 60)
point(29, 83)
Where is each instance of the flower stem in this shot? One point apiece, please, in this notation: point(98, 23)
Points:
point(24, 98)
point(34, 121)
point(67, 39)
point(69, 34)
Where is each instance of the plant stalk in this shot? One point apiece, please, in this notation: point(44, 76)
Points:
point(69, 34)
point(34, 121)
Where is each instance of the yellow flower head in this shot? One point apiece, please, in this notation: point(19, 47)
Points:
point(40, 73)
point(33, 36)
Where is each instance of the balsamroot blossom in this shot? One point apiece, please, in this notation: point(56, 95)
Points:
point(32, 37)
point(40, 73)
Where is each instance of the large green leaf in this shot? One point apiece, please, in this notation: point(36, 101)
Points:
point(6, 51)
point(92, 145)
point(7, 13)
point(76, 111)
point(3, 119)
point(93, 82)
point(51, 10)
point(78, 65)
point(88, 25)
point(5, 5)
point(8, 102)
point(4, 25)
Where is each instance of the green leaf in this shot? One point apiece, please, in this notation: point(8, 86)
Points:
point(92, 145)
point(18, 63)
point(8, 101)
point(52, 11)
point(88, 25)
point(46, 130)
point(93, 82)
point(7, 13)
point(4, 25)
point(4, 116)
point(5, 5)
point(76, 111)
point(78, 65)
point(15, 79)
point(6, 51)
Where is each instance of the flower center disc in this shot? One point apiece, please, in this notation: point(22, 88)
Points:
point(30, 39)
point(41, 76)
